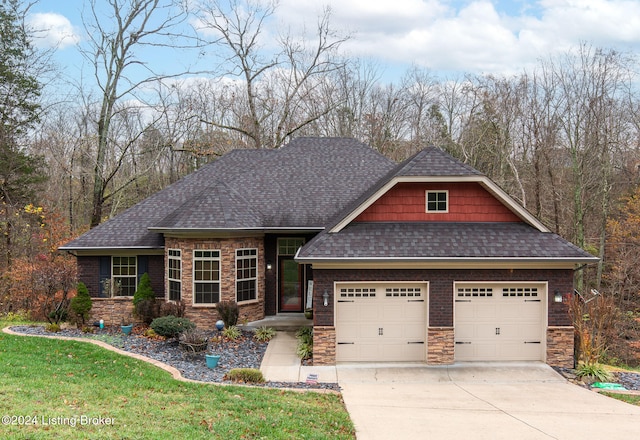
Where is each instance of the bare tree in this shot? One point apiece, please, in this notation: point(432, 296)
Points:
point(113, 50)
point(272, 101)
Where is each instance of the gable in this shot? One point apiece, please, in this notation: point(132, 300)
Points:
point(467, 202)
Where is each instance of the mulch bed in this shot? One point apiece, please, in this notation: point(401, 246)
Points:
point(245, 352)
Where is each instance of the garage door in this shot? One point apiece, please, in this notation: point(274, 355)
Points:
point(499, 322)
point(381, 322)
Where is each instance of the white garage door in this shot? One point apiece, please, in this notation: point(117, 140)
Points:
point(499, 322)
point(381, 322)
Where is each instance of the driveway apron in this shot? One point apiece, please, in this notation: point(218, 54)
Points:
point(479, 401)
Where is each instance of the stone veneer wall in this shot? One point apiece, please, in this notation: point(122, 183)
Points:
point(440, 345)
point(560, 346)
point(205, 316)
point(324, 345)
point(112, 310)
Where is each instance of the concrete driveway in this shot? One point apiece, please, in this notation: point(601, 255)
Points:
point(479, 401)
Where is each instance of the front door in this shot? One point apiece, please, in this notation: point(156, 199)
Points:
point(291, 285)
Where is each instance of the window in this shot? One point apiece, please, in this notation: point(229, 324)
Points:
point(289, 246)
point(206, 277)
point(124, 276)
point(437, 201)
point(175, 274)
point(246, 274)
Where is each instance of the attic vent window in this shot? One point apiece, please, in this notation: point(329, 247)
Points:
point(437, 201)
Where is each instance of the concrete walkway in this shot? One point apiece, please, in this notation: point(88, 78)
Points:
point(493, 401)
point(281, 364)
point(479, 401)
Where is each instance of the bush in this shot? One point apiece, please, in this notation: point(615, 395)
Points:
point(264, 334)
point(592, 370)
point(53, 328)
point(144, 300)
point(171, 326)
point(147, 310)
point(229, 312)
point(175, 308)
point(81, 304)
point(245, 375)
point(144, 290)
point(232, 333)
point(305, 342)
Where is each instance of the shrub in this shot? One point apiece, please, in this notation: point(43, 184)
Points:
point(20, 315)
point(147, 310)
point(264, 334)
point(232, 333)
point(144, 290)
point(53, 328)
point(81, 304)
point(144, 300)
point(592, 370)
point(228, 311)
point(305, 342)
point(171, 326)
point(245, 375)
point(175, 308)
point(193, 336)
point(58, 315)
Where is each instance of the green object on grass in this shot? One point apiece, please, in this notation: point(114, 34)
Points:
point(608, 386)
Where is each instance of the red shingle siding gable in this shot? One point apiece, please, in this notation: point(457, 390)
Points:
point(468, 202)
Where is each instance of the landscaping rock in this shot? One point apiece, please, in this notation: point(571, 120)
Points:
point(244, 353)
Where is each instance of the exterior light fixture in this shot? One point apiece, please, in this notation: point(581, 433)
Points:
point(269, 266)
point(325, 298)
point(557, 296)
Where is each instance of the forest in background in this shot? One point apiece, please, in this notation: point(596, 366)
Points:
point(561, 138)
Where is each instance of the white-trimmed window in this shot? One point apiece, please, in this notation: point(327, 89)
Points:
point(174, 274)
point(246, 274)
point(206, 276)
point(124, 276)
point(437, 201)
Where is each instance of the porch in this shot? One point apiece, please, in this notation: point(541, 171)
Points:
point(282, 322)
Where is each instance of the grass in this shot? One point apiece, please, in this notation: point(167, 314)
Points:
point(61, 381)
point(629, 398)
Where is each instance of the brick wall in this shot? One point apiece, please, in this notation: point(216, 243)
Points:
point(441, 288)
point(324, 345)
point(440, 333)
point(89, 274)
point(440, 345)
point(560, 346)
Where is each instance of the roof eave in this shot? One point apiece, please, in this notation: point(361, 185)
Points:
point(445, 263)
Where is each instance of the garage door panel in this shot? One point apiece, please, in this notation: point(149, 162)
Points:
point(499, 322)
point(389, 325)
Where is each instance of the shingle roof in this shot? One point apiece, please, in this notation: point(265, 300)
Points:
point(433, 161)
point(440, 241)
point(300, 185)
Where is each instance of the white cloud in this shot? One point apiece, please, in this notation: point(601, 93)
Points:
point(53, 30)
point(477, 35)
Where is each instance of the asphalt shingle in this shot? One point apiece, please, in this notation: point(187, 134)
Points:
point(301, 185)
point(435, 240)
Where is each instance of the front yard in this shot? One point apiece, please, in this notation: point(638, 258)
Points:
point(66, 389)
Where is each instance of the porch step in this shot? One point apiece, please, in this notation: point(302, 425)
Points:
point(282, 322)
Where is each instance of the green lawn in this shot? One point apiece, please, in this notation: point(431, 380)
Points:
point(56, 383)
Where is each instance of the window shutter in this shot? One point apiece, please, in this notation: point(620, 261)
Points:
point(105, 274)
point(143, 265)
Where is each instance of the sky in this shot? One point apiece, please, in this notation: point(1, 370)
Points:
point(448, 37)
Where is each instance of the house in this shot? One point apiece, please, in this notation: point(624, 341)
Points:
point(427, 260)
